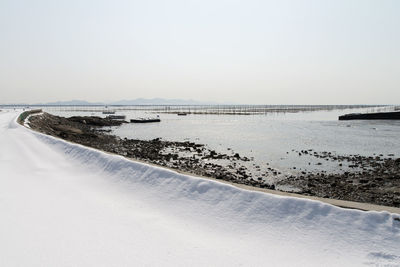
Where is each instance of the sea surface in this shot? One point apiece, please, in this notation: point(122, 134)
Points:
point(271, 139)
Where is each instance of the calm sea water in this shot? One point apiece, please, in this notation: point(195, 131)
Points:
point(271, 138)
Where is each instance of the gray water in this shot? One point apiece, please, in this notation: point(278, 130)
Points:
point(271, 139)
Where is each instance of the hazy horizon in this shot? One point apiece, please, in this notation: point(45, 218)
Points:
point(164, 101)
point(246, 52)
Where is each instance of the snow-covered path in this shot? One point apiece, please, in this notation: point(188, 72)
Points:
point(62, 204)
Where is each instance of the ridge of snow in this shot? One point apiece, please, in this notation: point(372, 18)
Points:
point(65, 204)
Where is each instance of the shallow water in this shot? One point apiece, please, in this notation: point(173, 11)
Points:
point(271, 139)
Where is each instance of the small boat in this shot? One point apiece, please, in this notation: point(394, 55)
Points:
point(116, 117)
point(144, 120)
point(109, 112)
point(181, 114)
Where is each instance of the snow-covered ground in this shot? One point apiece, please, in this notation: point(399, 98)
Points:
point(63, 204)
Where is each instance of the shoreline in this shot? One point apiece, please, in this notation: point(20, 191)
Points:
point(152, 152)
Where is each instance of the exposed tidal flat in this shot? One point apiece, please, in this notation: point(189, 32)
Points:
point(306, 151)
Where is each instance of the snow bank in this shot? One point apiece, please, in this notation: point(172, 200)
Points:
point(87, 207)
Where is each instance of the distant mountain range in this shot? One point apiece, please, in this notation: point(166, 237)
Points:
point(138, 101)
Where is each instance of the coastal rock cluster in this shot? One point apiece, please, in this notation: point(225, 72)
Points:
point(371, 179)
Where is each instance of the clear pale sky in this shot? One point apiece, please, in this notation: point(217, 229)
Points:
point(255, 52)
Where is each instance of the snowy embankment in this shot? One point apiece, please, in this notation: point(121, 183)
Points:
point(63, 204)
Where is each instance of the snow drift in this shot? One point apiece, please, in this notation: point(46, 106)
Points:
point(64, 204)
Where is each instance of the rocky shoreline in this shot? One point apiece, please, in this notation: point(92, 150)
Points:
point(374, 179)
point(185, 156)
